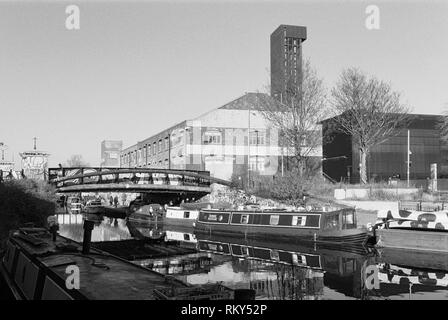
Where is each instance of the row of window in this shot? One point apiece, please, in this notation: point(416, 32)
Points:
point(256, 137)
point(139, 156)
point(274, 219)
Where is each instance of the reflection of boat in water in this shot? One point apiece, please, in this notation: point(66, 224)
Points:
point(145, 230)
point(293, 265)
point(414, 259)
point(146, 213)
point(334, 227)
point(180, 236)
point(302, 255)
point(407, 275)
point(180, 265)
point(404, 271)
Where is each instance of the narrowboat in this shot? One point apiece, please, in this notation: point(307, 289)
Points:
point(180, 216)
point(146, 213)
point(334, 227)
point(94, 207)
point(37, 265)
point(414, 230)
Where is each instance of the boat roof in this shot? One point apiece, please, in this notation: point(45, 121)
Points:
point(272, 211)
point(121, 280)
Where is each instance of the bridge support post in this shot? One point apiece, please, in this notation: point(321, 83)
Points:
point(88, 227)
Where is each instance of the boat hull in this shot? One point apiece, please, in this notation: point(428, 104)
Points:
point(418, 240)
point(284, 234)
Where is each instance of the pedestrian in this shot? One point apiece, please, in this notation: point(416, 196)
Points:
point(116, 201)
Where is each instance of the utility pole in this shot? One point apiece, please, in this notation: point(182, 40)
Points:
point(35, 139)
point(408, 161)
point(248, 146)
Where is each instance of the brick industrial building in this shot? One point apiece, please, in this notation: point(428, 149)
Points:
point(234, 139)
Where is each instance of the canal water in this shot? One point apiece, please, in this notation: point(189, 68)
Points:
point(278, 271)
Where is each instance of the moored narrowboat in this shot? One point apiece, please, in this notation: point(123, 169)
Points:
point(35, 267)
point(414, 230)
point(335, 227)
point(180, 216)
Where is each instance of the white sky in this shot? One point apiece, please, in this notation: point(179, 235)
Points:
point(135, 68)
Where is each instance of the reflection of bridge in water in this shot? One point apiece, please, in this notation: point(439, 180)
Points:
point(164, 182)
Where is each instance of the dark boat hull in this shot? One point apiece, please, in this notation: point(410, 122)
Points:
point(284, 234)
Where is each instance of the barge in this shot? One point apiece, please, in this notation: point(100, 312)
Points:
point(333, 227)
point(180, 216)
point(35, 268)
point(414, 230)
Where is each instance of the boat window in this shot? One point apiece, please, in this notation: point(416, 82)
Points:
point(220, 217)
point(332, 221)
point(298, 220)
point(349, 218)
point(186, 214)
point(245, 218)
point(186, 236)
point(274, 219)
point(298, 259)
point(275, 255)
point(245, 251)
point(212, 217)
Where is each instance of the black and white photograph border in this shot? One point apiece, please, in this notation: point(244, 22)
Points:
point(235, 151)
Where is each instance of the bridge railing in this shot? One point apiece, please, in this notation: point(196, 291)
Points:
point(62, 177)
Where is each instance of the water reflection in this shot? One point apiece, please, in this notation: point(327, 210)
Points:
point(106, 229)
point(280, 270)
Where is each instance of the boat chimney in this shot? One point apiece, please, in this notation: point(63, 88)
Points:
point(88, 227)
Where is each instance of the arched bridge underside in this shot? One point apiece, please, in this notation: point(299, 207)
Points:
point(141, 180)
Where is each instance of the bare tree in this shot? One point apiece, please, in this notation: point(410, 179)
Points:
point(368, 110)
point(443, 125)
point(298, 114)
point(76, 160)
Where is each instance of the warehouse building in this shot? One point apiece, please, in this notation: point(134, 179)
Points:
point(388, 159)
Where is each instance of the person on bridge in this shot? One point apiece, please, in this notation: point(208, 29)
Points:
point(116, 201)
